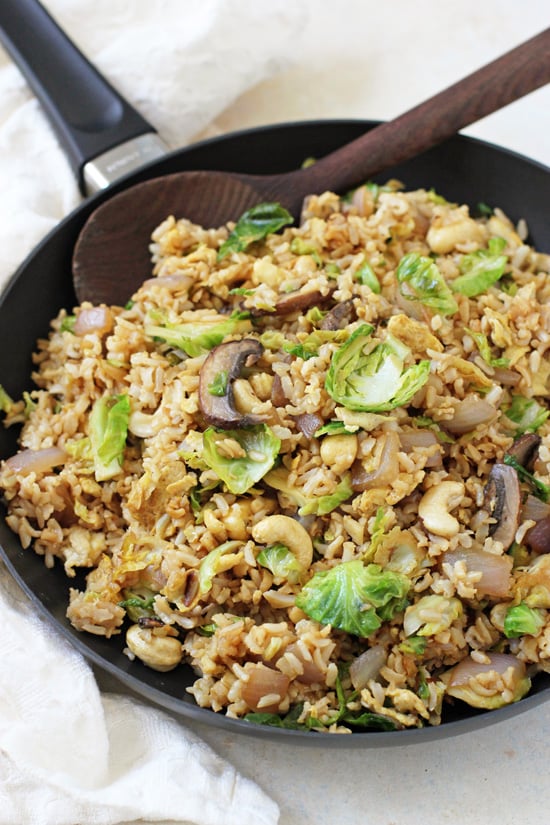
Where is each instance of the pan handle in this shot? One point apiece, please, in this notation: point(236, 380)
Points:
point(103, 136)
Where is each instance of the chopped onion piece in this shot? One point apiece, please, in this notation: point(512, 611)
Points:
point(469, 414)
point(495, 570)
point(385, 473)
point(367, 666)
point(422, 439)
point(36, 461)
point(499, 662)
point(180, 280)
point(534, 509)
point(464, 682)
point(264, 681)
point(94, 319)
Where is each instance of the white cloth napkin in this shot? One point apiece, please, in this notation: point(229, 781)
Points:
point(67, 753)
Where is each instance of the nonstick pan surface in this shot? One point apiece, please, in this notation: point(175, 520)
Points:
point(462, 169)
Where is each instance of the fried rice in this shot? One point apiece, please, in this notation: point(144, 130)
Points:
point(313, 465)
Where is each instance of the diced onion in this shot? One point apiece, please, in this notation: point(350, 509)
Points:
point(36, 461)
point(495, 570)
point(367, 666)
point(93, 319)
point(184, 282)
point(312, 674)
point(499, 662)
point(264, 681)
point(469, 414)
point(385, 473)
point(421, 438)
point(505, 377)
point(534, 509)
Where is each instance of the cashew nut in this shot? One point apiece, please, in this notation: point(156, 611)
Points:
point(246, 399)
point(435, 505)
point(159, 652)
point(339, 451)
point(287, 531)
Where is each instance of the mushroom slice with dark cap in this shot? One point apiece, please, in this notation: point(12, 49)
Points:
point(503, 501)
point(222, 366)
point(525, 449)
point(295, 302)
point(339, 317)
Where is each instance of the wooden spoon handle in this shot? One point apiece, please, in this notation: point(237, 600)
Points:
point(495, 85)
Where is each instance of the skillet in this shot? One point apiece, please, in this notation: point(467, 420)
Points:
point(464, 170)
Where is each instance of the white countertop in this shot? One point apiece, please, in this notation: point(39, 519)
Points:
point(362, 59)
point(367, 59)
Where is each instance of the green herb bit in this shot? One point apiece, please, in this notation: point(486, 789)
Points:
point(484, 210)
point(310, 505)
point(335, 428)
point(138, 602)
point(6, 401)
point(67, 324)
point(482, 343)
point(254, 225)
point(526, 413)
point(218, 386)
point(242, 290)
point(206, 629)
point(539, 488)
point(434, 197)
point(332, 270)
point(299, 246)
point(315, 315)
point(415, 645)
point(420, 280)
point(366, 276)
point(426, 421)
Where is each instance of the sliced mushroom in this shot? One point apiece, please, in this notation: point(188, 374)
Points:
point(222, 366)
point(278, 397)
point(503, 501)
point(525, 449)
point(295, 302)
point(339, 316)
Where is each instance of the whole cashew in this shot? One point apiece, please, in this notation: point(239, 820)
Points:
point(339, 451)
point(287, 531)
point(435, 505)
point(157, 652)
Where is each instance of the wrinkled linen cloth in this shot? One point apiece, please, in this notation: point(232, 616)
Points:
point(69, 754)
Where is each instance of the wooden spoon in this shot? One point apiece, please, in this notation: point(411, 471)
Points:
point(111, 257)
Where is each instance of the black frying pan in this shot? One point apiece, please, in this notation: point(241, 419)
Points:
point(464, 170)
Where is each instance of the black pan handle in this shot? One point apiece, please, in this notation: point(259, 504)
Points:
point(88, 115)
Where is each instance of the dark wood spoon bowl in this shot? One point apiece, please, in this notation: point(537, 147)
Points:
point(111, 258)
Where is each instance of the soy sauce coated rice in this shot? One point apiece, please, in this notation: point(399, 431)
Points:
point(186, 567)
